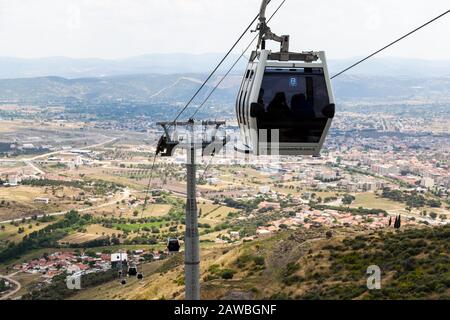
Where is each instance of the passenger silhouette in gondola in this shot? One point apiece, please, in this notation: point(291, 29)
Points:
point(301, 108)
point(258, 110)
point(278, 108)
point(261, 96)
point(303, 114)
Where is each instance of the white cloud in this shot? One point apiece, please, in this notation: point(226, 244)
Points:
point(121, 28)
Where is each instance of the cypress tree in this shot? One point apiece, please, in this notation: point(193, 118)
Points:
point(397, 222)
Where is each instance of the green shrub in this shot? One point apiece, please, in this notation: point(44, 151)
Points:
point(259, 261)
point(227, 274)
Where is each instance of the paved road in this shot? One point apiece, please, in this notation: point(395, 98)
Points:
point(31, 164)
point(17, 284)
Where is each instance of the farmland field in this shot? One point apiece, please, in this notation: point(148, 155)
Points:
point(79, 237)
point(133, 227)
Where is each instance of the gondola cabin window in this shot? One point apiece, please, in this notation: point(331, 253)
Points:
point(294, 101)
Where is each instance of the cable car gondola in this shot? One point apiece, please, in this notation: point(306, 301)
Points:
point(285, 104)
point(119, 262)
point(132, 270)
point(173, 245)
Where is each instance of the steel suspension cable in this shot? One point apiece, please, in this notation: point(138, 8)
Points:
point(336, 75)
point(147, 191)
point(217, 66)
point(223, 78)
point(234, 64)
point(242, 54)
point(195, 95)
point(390, 44)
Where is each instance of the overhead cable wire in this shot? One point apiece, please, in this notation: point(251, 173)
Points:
point(336, 75)
point(217, 66)
point(195, 95)
point(390, 44)
point(234, 64)
point(242, 54)
point(147, 191)
point(223, 78)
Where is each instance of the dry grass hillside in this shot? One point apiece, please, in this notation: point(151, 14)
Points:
point(305, 264)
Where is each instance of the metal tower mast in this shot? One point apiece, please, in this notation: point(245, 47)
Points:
point(166, 147)
point(191, 238)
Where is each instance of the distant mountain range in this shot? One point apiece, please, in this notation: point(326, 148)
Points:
point(179, 63)
point(178, 88)
point(138, 89)
point(172, 79)
point(81, 68)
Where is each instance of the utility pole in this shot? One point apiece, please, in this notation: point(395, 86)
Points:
point(166, 147)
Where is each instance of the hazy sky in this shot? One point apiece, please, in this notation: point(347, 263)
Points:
point(123, 28)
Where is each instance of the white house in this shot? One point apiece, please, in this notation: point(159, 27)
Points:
point(213, 180)
point(264, 189)
point(262, 233)
point(234, 234)
point(42, 200)
point(14, 180)
point(427, 182)
point(73, 268)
